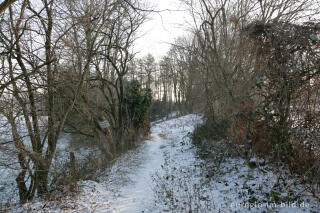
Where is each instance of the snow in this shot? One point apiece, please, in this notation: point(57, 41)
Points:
point(127, 186)
point(165, 174)
point(9, 167)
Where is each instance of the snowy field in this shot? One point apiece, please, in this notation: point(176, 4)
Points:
point(164, 174)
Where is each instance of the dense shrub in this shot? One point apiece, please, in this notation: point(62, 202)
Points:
point(211, 129)
point(137, 103)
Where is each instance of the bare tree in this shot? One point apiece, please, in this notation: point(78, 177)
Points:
point(5, 4)
point(104, 48)
point(149, 69)
point(32, 37)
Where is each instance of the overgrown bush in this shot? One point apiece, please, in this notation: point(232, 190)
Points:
point(211, 129)
point(288, 101)
point(277, 115)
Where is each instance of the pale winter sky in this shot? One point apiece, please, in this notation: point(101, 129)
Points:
point(162, 28)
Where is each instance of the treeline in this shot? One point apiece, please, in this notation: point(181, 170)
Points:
point(254, 67)
point(171, 81)
point(65, 67)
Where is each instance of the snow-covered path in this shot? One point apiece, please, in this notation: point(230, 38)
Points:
point(127, 186)
point(137, 195)
point(164, 174)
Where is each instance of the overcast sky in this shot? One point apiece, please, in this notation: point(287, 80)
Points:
point(162, 28)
